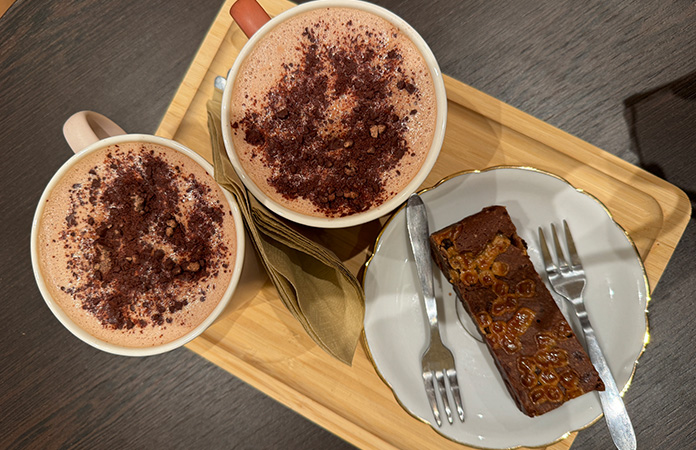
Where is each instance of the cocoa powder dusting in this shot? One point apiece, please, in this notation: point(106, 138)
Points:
point(140, 248)
point(336, 162)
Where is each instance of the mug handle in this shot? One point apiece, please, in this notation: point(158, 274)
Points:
point(84, 128)
point(249, 15)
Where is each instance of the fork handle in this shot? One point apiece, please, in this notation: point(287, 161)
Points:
point(615, 413)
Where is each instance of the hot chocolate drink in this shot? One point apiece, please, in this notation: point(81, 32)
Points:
point(333, 112)
point(137, 244)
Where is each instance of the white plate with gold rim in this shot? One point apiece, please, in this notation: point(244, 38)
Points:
point(616, 297)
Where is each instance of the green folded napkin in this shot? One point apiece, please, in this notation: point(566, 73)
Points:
point(314, 285)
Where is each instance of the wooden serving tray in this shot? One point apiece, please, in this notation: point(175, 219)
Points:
point(262, 344)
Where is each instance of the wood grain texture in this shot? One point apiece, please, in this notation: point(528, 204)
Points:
point(619, 75)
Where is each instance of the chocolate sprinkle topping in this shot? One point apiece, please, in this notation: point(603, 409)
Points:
point(131, 267)
point(339, 167)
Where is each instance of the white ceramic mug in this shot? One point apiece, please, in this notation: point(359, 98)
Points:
point(87, 132)
point(255, 23)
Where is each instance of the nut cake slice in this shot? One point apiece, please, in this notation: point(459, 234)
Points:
point(539, 357)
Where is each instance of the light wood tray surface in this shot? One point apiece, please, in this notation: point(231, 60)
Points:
point(266, 347)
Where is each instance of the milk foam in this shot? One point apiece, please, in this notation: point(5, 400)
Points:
point(62, 256)
point(266, 65)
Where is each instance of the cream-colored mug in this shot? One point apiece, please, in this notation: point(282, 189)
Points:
point(256, 24)
point(92, 137)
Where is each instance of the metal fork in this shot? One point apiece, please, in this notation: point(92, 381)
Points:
point(437, 360)
point(568, 280)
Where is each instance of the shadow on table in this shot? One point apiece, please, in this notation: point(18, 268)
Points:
point(662, 124)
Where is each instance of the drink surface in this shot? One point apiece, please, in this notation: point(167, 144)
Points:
point(137, 244)
point(333, 112)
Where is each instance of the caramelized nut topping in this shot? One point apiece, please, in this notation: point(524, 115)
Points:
point(507, 334)
point(450, 250)
point(453, 275)
point(469, 278)
point(484, 269)
point(563, 331)
point(545, 340)
point(483, 319)
point(525, 288)
point(548, 369)
point(457, 262)
point(499, 269)
point(528, 379)
point(504, 305)
point(487, 278)
point(526, 364)
point(500, 288)
point(548, 377)
point(538, 395)
point(521, 320)
point(553, 394)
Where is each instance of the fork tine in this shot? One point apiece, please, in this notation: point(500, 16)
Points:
point(430, 392)
point(549, 265)
point(454, 388)
point(562, 263)
point(572, 252)
point(440, 377)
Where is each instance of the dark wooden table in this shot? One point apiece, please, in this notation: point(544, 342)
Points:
point(620, 75)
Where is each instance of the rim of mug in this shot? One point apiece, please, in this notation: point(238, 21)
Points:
point(435, 147)
point(63, 317)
